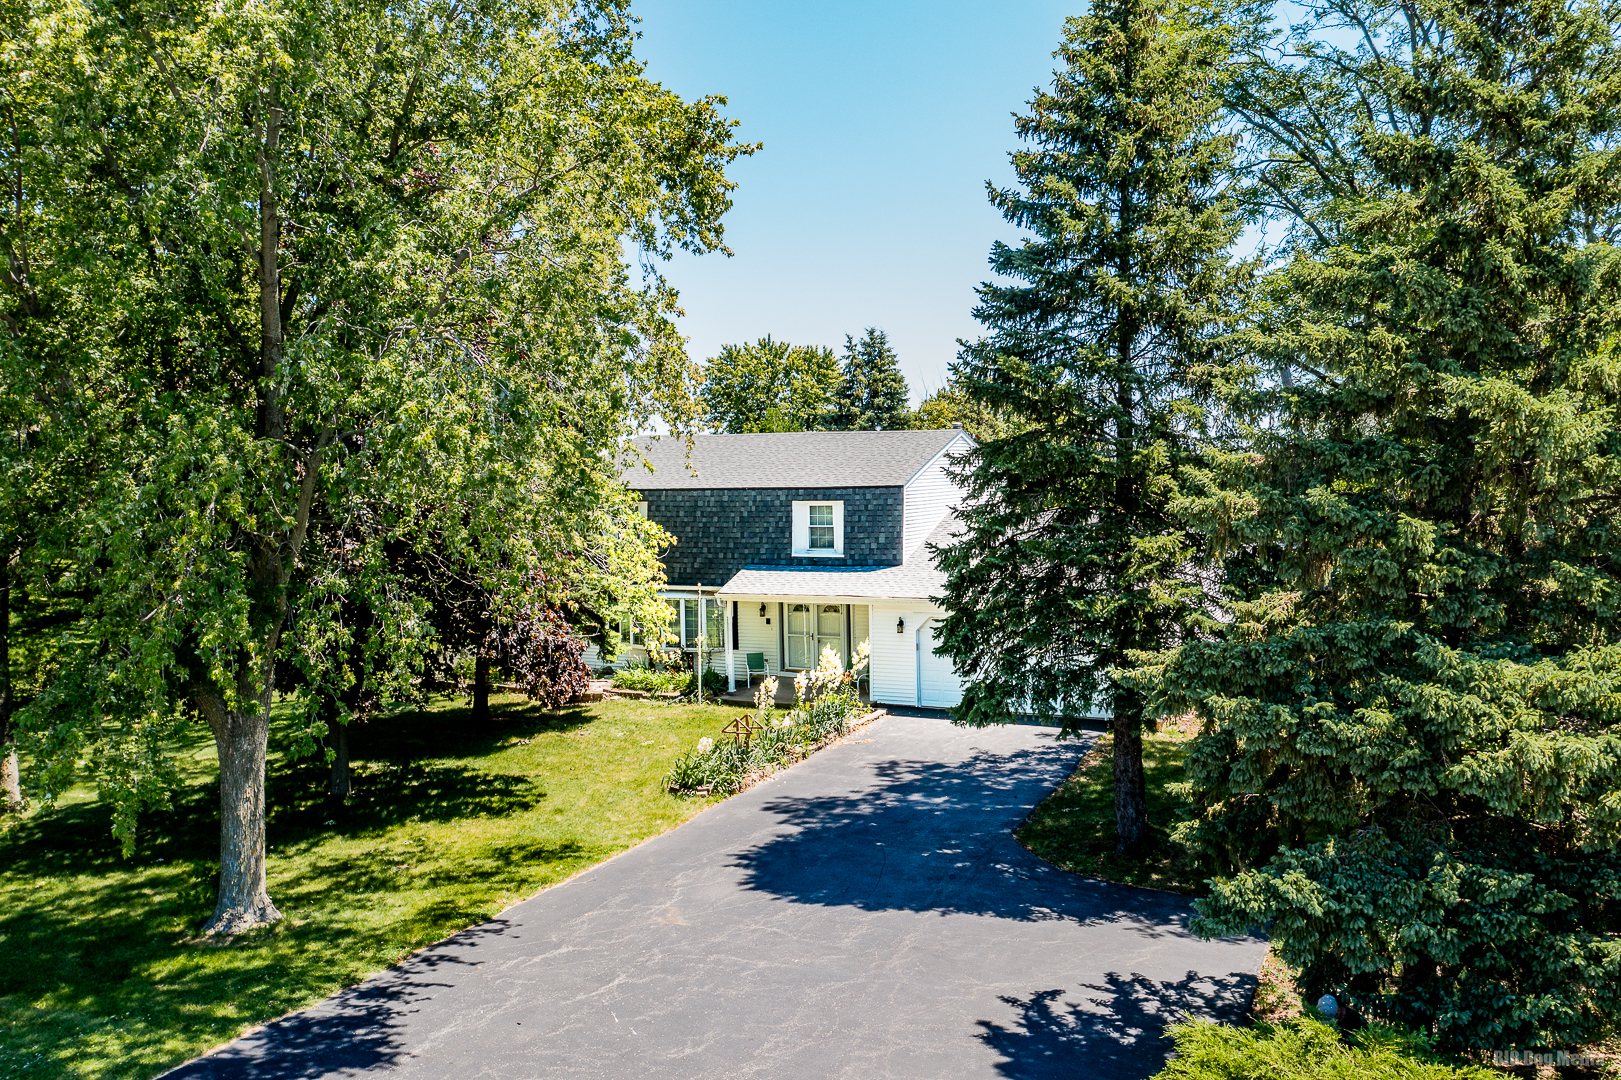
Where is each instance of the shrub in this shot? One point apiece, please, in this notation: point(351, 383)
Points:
point(545, 657)
point(1306, 1049)
point(826, 703)
point(652, 681)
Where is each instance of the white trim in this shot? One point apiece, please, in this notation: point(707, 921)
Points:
point(799, 534)
point(962, 436)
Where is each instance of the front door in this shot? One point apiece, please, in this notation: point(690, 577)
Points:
point(810, 629)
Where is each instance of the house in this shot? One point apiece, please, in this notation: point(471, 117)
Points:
point(788, 543)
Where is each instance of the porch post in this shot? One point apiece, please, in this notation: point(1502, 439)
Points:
point(726, 633)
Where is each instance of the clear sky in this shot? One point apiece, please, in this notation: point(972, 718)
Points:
point(882, 120)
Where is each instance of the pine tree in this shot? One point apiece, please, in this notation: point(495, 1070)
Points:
point(1072, 560)
point(1411, 752)
point(872, 395)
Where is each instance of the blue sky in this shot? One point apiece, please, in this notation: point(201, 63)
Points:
point(881, 121)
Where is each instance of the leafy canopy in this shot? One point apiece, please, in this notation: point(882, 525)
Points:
point(447, 345)
point(768, 386)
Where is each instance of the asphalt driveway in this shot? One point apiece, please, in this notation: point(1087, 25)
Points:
point(865, 914)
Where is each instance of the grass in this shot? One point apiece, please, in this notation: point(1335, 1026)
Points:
point(1074, 827)
point(101, 974)
point(1306, 1049)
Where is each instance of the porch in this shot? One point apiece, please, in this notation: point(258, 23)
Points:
point(744, 694)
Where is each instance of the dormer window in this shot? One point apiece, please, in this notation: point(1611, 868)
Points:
point(819, 529)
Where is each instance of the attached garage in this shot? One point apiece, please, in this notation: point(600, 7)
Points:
point(889, 607)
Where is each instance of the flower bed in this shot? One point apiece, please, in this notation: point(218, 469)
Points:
point(826, 706)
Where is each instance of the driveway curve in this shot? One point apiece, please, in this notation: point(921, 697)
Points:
point(864, 914)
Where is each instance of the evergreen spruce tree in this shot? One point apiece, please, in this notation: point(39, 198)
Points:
point(1410, 764)
point(872, 395)
point(1072, 560)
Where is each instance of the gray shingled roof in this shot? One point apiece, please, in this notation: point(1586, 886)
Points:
point(915, 579)
point(789, 459)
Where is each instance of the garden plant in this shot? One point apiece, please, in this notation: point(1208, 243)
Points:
point(826, 704)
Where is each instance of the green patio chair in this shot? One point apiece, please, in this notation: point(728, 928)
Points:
point(756, 666)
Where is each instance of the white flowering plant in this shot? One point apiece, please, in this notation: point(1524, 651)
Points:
point(827, 701)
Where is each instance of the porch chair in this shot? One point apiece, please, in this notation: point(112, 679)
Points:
point(756, 666)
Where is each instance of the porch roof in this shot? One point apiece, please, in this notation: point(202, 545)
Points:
point(915, 579)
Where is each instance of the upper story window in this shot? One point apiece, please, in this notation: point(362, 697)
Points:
point(819, 529)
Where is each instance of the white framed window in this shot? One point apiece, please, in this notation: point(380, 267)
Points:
point(818, 529)
point(641, 508)
point(688, 631)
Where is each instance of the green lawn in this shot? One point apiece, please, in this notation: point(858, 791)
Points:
point(1074, 827)
point(100, 971)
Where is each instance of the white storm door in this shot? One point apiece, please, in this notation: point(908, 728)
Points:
point(801, 636)
point(830, 630)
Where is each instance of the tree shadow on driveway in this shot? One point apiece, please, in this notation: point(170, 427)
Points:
point(356, 1031)
point(938, 837)
point(1114, 1030)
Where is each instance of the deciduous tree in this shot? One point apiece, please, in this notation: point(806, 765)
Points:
point(340, 264)
point(952, 405)
point(769, 386)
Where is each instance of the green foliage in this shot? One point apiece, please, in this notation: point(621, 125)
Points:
point(827, 702)
point(344, 280)
point(1306, 1049)
point(652, 680)
point(714, 682)
point(448, 824)
point(1072, 558)
point(1412, 744)
point(872, 394)
point(768, 386)
point(952, 405)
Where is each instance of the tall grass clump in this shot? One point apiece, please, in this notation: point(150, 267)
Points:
point(826, 703)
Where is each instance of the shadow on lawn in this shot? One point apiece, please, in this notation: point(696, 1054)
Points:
point(91, 941)
point(396, 777)
point(1113, 1030)
point(359, 1029)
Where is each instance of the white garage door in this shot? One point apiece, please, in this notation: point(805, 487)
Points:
point(937, 685)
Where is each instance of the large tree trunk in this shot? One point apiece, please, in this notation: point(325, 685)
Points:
point(338, 788)
point(242, 739)
point(1130, 787)
point(481, 688)
point(11, 792)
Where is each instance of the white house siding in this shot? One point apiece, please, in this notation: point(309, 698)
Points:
point(753, 635)
point(928, 498)
point(859, 623)
point(895, 658)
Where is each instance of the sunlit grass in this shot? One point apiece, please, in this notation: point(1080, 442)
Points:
point(101, 974)
point(1074, 827)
